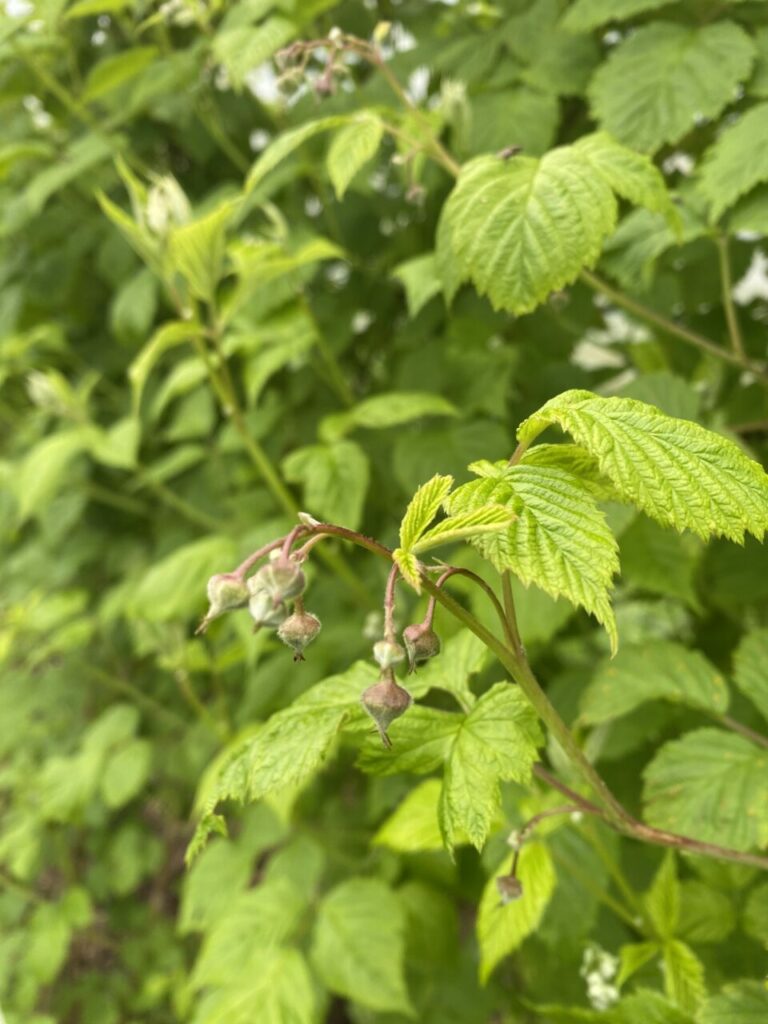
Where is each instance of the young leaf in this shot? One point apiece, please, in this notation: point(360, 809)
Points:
point(497, 741)
point(683, 976)
point(634, 956)
point(414, 826)
point(675, 471)
point(386, 410)
point(585, 15)
point(741, 1002)
point(662, 900)
point(664, 76)
point(408, 564)
point(559, 539)
point(733, 165)
point(706, 914)
point(352, 147)
point(489, 519)
point(653, 671)
point(421, 279)
point(750, 669)
point(171, 334)
point(334, 480)
point(501, 928)
point(286, 143)
point(422, 509)
point(196, 250)
point(358, 947)
point(712, 785)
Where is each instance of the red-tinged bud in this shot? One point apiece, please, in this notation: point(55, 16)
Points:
point(298, 631)
point(421, 643)
point(264, 612)
point(387, 653)
point(510, 888)
point(385, 701)
point(226, 591)
point(281, 578)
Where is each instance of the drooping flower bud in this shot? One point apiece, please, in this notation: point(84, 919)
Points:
point(298, 631)
point(421, 643)
point(387, 653)
point(510, 888)
point(385, 701)
point(265, 612)
point(281, 578)
point(226, 591)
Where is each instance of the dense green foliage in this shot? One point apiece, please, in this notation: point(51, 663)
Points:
point(484, 281)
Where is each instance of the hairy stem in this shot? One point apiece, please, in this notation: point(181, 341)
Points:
point(389, 604)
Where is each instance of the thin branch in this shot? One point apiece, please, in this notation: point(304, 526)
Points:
point(726, 284)
point(743, 730)
point(389, 604)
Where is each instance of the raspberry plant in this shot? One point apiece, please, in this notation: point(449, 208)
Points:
point(273, 275)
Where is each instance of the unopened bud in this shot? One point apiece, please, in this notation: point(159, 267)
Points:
point(226, 591)
point(265, 612)
point(385, 701)
point(421, 643)
point(387, 653)
point(510, 888)
point(298, 631)
point(281, 578)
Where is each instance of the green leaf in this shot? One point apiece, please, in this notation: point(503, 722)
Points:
point(733, 164)
point(662, 900)
point(88, 8)
point(278, 989)
point(711, 785)
point(653, 671)
point(334, 479)
point(755, 917)
point(44, 469)
point(358, 947)
point(631, 175)
point(174, 586)
point(421, 742)
point(408, 564)
point(390, 409)
point(741, 1002)
point(490, 519)
point(750, 669)
point(559, 539)
point(286, 143)
point(244, 48)
point(114, 71)
point(633, 957)
point(497, 742)
point(659, 560)
point(502, 928)
point(585, 15)
point(673, 470)
point(171, 334)
point(351, 149)
point(196, 250)
point(422, 509)
point(462, 657)
point(662, 77)
point(216, 879)
point(414, 825)
point(646, 1006)
point(126, 772)
point(683, 976)
point(706, 915)
point(421, 279)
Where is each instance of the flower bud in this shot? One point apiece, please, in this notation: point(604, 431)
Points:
point(264, 611)
point(510, 888)
point(225, 592)
point(385, 701)
point(281, 578)
point(421, 643)
point(298, 631)
point(387, 653)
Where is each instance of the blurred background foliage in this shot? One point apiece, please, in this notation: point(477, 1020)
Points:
point(136, 459)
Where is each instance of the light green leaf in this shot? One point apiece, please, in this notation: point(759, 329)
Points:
point(683, 976)
point(408, 564)
point(631, 175)
point(711, 785)
point(334, 479)
point(675, 471)
point(462, 657)
point(278, 989)
point(662, 77)
point(422, 509)
point(286, 143)
point(734, 164)
point(559, 539)
point(647, 1006)
point(174, 586)
point(196, 250)
point(171, 334)
point(114, 71)
point(662, 900)
point(88, 8)
point(213, 883)
point(359, 945)
point(466, 526)
point(246, 47)
point(351, 149)
point(497, 742)
point(585, 15)
point(706, 915)
point(292, 746)
point(633, 957)
point(659, 560)
point(386, 410)
point(755, 918)
point(44, 469)
point(659, 670)
point(421, 741)
point(750, 669)
point(126, 772)
point(421, 279)
point(414, 826)
point(520, 116)
point(742, 1002)
point(502, 928)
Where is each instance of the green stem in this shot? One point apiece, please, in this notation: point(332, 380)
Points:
point(149, 704)
point(743, 730)
point(734, 331)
